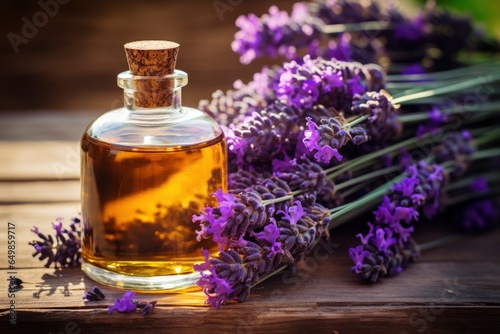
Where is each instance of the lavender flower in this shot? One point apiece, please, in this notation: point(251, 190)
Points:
point(324, 82)
point(457, 147)
point(94, 295)
point(436, 120)
point(345, 11)
point(234, 105)
point(284, 237)
point(333, 133)
point(301, 173)
point(272, 130)
point(218, 290)
point(408, 30)
point(479, 185)
point(124, 304)
point(326, 138)
point(379, 256)
point(339, 49)
point(450, 33)
point(67, 244)
point(364, 45)
point(275, 33)
point(237, 214)
point(480, 215)
point(381, 252)
point(275, 132)
point(384, 124)
point(242, 180)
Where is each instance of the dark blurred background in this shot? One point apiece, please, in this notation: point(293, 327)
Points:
point(72, 59)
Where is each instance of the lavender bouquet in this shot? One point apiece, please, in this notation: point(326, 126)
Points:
point(360, 117)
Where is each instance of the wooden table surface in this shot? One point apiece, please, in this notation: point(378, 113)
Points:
point(453, 289)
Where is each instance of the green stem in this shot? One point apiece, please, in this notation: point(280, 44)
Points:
point(467, 197)
point(357, 121)
point(446, 89)
point(362, 204)
point(354, 189)
point(485, 108)
point(491, 176)
point(408, 144)
point(414, 117)
point(485, 154)
point(441, 242)
point(477, 132)
point(284, 198)
point(488, 137)
point(338, 208)
point(366, 177)
point(455, 73)
point(271, 274)
point(361, 26)
point(366, 202)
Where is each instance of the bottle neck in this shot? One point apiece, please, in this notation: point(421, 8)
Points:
point(152, 99)
point(168, 100)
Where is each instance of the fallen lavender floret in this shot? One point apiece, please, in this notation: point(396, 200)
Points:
point(94, 295)
point(146, 307)
point(124, 304)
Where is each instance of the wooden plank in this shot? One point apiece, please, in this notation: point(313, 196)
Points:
point(47, 125)
point(81, 71)
point(471, 249)
point(303, 319)
point(39, 192)
point(31, 160)
point(327, 284)
point(453, 287)
point(25, 216)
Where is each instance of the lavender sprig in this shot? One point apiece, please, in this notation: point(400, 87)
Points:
point(65, 250)
point(480, 215)
point(275, 33)
point(363, 32)
point(317, 89)
point(234, 105)
point(330, 83)
point(384, 250)
point(284, 238)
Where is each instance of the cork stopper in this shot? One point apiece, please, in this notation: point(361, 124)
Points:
point(152, 58)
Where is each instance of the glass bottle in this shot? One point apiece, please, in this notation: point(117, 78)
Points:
point(146, 169)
